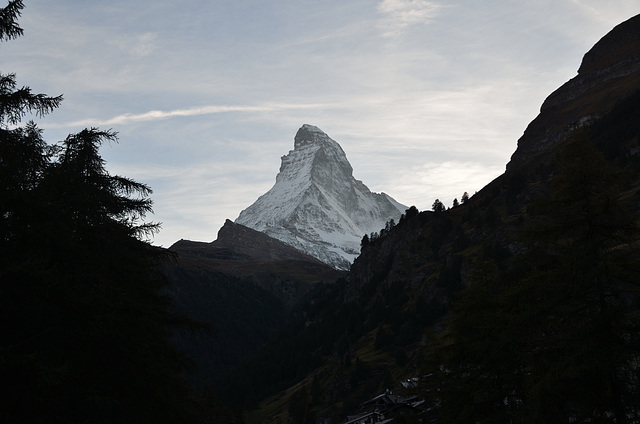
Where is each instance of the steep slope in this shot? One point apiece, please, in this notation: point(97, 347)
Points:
point(609, 72)
point(316, 205)
point(376, 326)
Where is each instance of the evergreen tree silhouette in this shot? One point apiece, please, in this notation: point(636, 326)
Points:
point(85, 334)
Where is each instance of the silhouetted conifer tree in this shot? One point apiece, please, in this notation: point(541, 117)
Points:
point(85, 331)
point(365, 241)
point(411, 212)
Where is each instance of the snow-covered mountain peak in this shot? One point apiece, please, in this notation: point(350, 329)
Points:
point(313, 155)
point(316, 205)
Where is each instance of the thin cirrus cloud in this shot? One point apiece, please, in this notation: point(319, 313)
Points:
point(155, 115)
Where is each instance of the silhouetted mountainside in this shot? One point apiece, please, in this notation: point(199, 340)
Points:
point(243, 284)
point(381, 323)
point(251, 255)
point(609, 72)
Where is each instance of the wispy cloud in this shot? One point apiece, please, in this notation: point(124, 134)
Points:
point(402, 13)
point(155, 115)
point(138, 45)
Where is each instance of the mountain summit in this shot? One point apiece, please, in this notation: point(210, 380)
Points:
point(316, 205)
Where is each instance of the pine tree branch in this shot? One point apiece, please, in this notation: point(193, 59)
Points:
point(9, 28)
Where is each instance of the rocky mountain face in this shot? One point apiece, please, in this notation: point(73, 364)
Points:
point(317, 206)
point(609, 72)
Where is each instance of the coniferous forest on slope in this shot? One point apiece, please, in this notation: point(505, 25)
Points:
point(519, 305)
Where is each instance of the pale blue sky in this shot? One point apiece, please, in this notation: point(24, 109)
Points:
point(427, 98)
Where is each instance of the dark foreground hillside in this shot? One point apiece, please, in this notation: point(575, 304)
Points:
point(244, 285)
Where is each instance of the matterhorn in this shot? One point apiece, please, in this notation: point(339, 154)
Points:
point(317, 206)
